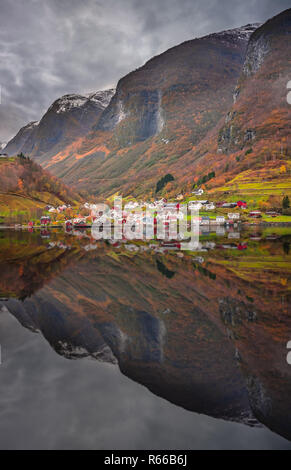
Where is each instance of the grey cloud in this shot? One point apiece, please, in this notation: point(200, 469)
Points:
point(48, 402)
point(52, 47)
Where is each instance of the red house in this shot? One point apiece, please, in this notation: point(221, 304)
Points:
point(69, 225)
point(45, 220)
point(242, 246)
point(241, 204)
point(255, 214)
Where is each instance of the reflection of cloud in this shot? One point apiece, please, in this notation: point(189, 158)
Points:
point(49, 48)
point(47, 401)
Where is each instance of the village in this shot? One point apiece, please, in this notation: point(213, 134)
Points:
point(160, 211)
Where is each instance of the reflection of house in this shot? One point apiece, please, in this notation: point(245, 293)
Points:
point(234, 235)
point(220, 230)
point(44, 233)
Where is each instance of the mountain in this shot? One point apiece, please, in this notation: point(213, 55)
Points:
point(213, 104)
point(67, 119)
point(158, 113)
point(252, 147)
point(26, 187)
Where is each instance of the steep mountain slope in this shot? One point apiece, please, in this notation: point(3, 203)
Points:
point(253, 144)
point(67, 119)
point(25, 186)
point(16, 144)
point(159, 112)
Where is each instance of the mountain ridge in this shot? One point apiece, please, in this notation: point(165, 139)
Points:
point(208, 102)
point(68, 117)
point(152, 113)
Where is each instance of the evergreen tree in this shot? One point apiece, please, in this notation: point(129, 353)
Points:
point(286, 202)
point(163, 181)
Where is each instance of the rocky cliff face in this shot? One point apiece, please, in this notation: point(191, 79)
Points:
point(145, 99)
point(138, 114)
point(260, 96)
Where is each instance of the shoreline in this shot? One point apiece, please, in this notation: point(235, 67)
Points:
point(241, 224)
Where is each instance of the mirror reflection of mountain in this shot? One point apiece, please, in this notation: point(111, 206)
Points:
point(206, 331)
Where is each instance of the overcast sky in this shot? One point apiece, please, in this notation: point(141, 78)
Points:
point(52, 47)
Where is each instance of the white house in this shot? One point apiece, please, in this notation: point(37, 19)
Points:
point(204, 202)
point(233, 215)
point(210, 207)
point(204, 221)
point(194, 205)
point(220, 219)
point(198, 192)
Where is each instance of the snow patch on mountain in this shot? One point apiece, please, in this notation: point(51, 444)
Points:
point(31, 125)
point(235, 35)
point(103, 98)
point(69, 102)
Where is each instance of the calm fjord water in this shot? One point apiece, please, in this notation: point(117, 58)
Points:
point(109, 346)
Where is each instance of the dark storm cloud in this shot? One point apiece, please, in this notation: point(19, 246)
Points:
point(52, 47)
